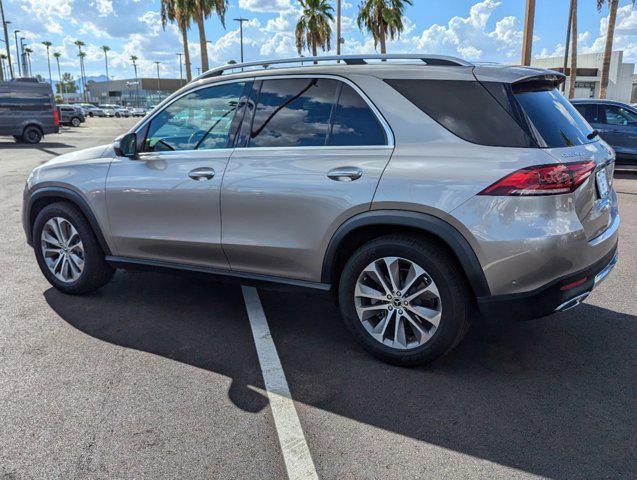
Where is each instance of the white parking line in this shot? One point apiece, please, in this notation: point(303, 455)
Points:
point(296, 453)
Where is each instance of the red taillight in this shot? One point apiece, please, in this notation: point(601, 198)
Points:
point(574, 284)
point(56, 117)
point(542, 180)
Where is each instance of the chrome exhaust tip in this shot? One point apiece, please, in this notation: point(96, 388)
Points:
point(573, 302)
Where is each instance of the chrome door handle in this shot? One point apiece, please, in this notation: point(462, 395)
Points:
point(345, 174)
point(202, 173)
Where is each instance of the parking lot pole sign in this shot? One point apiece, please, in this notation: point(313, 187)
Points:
point(6, 38)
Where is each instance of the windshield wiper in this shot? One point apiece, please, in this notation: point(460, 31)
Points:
point(592, 135)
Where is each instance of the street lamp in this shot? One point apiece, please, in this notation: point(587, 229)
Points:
point(17, 52)
point(158, 89)
point(181, 73)
point(6, 38)
point(241, 20)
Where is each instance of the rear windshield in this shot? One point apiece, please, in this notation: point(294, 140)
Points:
point(554, 121)
point(534, 114)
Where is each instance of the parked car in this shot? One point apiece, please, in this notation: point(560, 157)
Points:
point(71, 115)
point(115, 110)
point(415, 193)
point(27, 111)
point(616, 123)
point(91, 110)
point(137, 111)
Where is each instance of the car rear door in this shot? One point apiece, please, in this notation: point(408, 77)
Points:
point(310, 155)
point(165, 206)
point(619, 128)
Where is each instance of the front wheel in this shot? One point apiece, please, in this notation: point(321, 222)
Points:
point(405, 299)
point(75, 121)
point(67, 251)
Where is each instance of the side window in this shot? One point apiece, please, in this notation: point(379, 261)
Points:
point(588, 111)
point(293, 113)
point(200, 120)
point(619, 116)
point(354, 122)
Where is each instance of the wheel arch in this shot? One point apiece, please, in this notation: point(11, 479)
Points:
point(367, 226)
point(44, 196)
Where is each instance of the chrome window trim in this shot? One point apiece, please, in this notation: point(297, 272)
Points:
point(390, 138)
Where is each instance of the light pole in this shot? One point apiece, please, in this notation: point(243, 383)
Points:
point(6, 37)
point(241, 20)
point(17, 52)
point(181, 73)
point(23, 58)
point(338, 28)
point(158, 89)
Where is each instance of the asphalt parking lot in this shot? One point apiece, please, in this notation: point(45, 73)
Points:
point(157, 376)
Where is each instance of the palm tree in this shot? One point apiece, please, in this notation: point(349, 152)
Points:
point(571, 87)
point(313, 28)
point(179, 11)
point(106, 49)
point(81, 55)
point(28, 52)
point(202, 9)
point(57, 56)
point(382, 17)
point(134, 59)
point(48, 45)
point(608, 49)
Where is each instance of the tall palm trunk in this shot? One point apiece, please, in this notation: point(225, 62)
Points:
point(568, 40)
point(608, 50)
point(184, 36)
point(202, 43)
point(571, 87)
point(62, 88)
point(383, 43)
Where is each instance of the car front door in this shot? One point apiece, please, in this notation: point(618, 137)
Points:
point(309, 156)
point(165, 204)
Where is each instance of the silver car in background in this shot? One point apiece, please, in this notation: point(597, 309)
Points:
point(416, 190)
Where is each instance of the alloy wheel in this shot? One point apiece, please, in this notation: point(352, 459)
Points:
point(398, 303)
point(62, 249)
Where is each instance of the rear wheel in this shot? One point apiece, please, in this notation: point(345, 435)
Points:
point(404, 299)
point(67, 251)
point(76, 122)
point(32, 134)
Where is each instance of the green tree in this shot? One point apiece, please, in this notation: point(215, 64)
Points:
point(179, 12)
point(314, 28)
point(48, 45)
point(202, 9)
point(67, 85)
point(382, 18)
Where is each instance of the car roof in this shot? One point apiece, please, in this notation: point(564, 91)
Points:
point(599, 101)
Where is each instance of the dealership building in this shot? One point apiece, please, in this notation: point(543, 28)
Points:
point(142, 92)
point(589, 75)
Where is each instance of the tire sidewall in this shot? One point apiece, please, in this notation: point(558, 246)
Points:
point(92, 252)
point(36, 131)
point(75, 121)
point(452, 310)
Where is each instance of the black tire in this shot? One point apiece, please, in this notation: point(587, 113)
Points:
point(32, 134)
point(96, 272)
point(446, 273)
point(118, 115)
point(76, 122)
point(90, 114)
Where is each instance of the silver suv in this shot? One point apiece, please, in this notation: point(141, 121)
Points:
point(417, 190)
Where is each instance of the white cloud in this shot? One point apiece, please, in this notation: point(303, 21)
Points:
point(270, 6)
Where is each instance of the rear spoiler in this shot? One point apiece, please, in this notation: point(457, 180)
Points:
point(517, 75)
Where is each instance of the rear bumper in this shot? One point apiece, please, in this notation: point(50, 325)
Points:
point(555, 296)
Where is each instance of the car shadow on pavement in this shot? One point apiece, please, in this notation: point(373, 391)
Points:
point(552, 397)
point(39, 146)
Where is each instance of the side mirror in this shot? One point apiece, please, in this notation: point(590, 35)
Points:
point(126, 146)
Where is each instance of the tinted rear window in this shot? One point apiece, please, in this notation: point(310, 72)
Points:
point(466, 109)
point(553, 119)
point(354, 122)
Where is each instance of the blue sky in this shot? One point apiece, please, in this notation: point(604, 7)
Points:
point(487, 30)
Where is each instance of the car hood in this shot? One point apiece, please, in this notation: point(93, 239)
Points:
point(78, 156)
